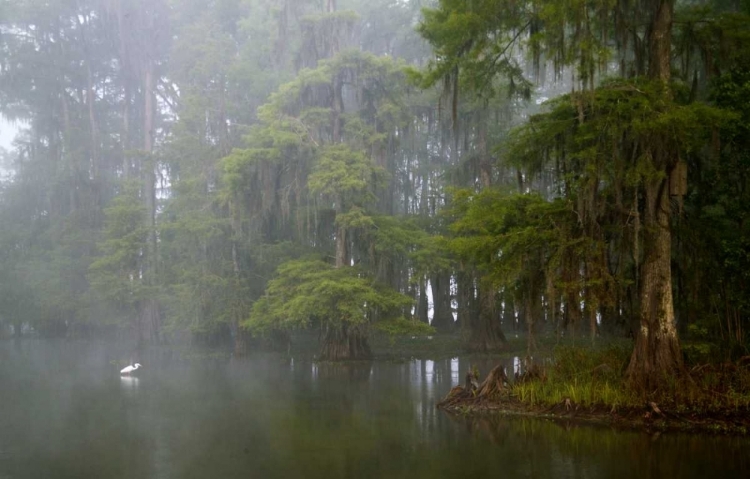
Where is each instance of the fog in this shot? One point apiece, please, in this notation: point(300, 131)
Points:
point(7, 133)
point(308, 219)
point(66, 413)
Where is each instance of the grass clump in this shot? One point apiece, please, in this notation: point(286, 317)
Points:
point(591, 377)
point(579, 376)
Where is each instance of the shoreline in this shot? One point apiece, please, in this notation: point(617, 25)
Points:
point(631, 418)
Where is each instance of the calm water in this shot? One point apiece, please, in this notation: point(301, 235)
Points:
point(66, 413)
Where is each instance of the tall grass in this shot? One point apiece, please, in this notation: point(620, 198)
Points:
point(595, 377)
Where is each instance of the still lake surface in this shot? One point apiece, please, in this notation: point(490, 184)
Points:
point(66, 413)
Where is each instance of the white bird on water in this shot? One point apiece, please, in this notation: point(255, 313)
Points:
point(129, 369)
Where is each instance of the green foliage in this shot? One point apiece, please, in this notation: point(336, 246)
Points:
point(401, 238)
point(244, 173)
point(204, 291)
point(476, 39)
point(279, 128)
point(595, 377)
point(116, 275)
point(573, 361)
point(402, 327)
point(715, 232)
point(314, 160)
point(583, 131)
point(311, 291)
point(511, 239)
point(342, 175)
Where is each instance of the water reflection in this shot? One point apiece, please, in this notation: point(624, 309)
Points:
point(65, 413)
point(454, 371)
point(129, 384)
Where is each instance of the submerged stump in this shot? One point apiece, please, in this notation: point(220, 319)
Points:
point(475, 394)
point(345, 342)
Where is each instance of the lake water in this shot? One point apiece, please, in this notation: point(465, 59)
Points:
point(66, 413)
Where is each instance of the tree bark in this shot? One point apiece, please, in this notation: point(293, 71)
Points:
point(530, 323)
point(423, 303)
point(90, 96)
point(572, 314)
point(341, 250)
point(509, 311)
point(125, 72)
point(657, 348)
point(486, 334)
point(345, 341)
point(150, 311)
point(660, 41)
point(442, 313)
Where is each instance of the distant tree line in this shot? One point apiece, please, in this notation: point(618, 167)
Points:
point(239, 168)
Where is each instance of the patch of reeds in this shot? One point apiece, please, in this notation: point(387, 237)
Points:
point(580, 376)
point(590, 377)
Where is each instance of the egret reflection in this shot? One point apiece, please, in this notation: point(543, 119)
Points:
point(129, 383)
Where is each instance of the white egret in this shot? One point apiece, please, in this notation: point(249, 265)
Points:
point(129, 369)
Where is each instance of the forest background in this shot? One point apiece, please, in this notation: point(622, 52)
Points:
point(234, 169)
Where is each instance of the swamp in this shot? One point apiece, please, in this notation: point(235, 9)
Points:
point(379, 238)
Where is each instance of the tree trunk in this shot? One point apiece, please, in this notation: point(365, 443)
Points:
point(466, 307)
point(486, 334)
point(345, 341)
point(151, 321)
point(240, 341)
point(148, 147)
point(125, 71)
point(572, 314)
point(442, 313)
point(337, 110)
point(529, 319)
point(657, 348)
point(93, 129)
point(240, 335)
point(660, 41)
point(509, 311)
point(423, 303)
point(125, 134)
point(341, 253)
point(150, 308)
point(552, 305)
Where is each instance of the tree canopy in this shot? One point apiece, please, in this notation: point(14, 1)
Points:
point(239, 169)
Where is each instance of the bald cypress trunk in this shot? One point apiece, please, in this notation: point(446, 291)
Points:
point(442, 314)
point(422, 303)
point(125, 71)
point(345, 341)
point(486, 334)
point(657, 349)
point(150, 311)
point(342, 339)
point(240, 334)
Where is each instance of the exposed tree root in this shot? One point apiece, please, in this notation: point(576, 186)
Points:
point(475, 394)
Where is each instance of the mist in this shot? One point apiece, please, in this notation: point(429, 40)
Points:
point(269, 237)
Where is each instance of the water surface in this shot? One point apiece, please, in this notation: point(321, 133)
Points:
point(66, 413)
